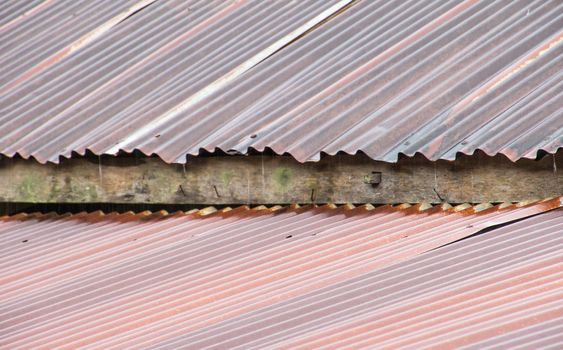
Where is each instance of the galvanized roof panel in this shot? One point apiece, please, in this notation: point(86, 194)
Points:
point(278, 277)
point(303, 78)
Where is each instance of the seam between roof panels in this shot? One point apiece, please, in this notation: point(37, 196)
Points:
point(497, 226)
point(226, 79)
point(316, 26)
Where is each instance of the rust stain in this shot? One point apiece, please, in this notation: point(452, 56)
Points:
point(388, 53)
point(506, 74)
point(137, 67)
point(76, 45)
point(293, 277)
point(265, 85)
point(61, 54)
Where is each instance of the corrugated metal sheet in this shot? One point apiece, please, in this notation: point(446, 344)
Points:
point(382, 77)
point(168, 56)
point(36, 35)
point(281, 277)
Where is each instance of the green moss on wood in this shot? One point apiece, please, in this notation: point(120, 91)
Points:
point(282, 177)
point(227, 177)
point(28, 189)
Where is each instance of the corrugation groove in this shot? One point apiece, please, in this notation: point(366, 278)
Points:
point(11, 11)
point(277, 277)
point(381, 77)
point(42, 40)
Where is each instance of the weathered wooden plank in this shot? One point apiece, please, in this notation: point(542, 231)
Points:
point(281, 180)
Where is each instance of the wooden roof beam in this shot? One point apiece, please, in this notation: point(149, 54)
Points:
point(281, 180)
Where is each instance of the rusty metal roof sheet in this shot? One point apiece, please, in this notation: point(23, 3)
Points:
point(281, 277)
point(36, 35)
point(304, 78)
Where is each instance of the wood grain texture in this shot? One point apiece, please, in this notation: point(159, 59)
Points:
point(280, 180)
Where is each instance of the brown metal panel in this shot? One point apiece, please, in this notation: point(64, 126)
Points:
point(143, 69)
point(304, 78)
point(279, 277)
point(45, 34)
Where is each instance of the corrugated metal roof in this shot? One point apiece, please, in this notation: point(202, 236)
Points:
point(280, 277)
point(36, 35)
point(435, 77)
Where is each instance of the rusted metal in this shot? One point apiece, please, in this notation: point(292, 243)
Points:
point(40, 36)
point(303, 78)
point(294, 277)
point(373, 178)
point(196, 47)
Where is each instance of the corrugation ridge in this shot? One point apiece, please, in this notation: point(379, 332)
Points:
point(300, 138)
point(277, 149)
point(47, 93)
point(420, 286)
point(11, 17)
point(427, 102)
point(404, 46)
point(76, 45)
point(354, 342)
point(495, 254)
point(407, 313)
point(528, 105)
point(44, 160)
point(319, 320)
point(344, 264)
point(100, 104)
point(231, 75)
point(524, 338)
point(242, 230)
point(293, 59)
point(494, 118)
point(543, 204)
point(167, 234)
point(200, 123)
point(430, 268)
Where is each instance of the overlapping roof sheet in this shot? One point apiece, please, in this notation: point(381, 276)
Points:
point(339, 277)
point(174, 78)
